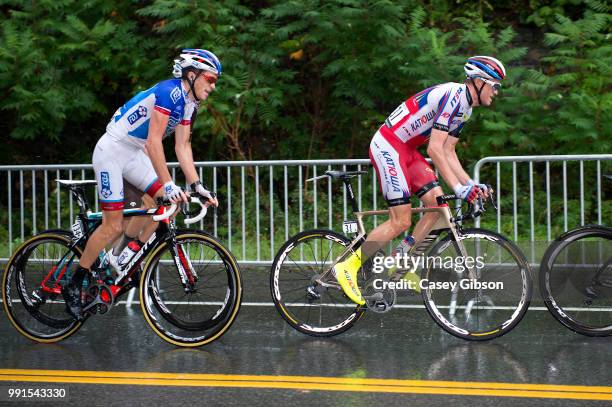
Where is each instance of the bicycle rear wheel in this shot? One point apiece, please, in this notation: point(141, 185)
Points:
point(32, 301)
point(197, 313)
point(484, 307)
point(307, 305)
point(576, 280)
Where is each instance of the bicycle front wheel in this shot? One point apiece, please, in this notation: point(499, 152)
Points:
point(31, 287)
point(199, 311)
point(479, 294)
point(576, 280)
point(310, 300)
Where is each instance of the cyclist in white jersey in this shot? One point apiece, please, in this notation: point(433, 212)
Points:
point(132, 149)
point(436, 115)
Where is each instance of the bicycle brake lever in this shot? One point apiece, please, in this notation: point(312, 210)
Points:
point(491, 200)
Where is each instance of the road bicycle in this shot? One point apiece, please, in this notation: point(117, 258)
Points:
point(189, 284)
point(482, 300)
point(576, 280)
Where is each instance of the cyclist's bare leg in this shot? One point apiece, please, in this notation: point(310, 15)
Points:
point(399, 221)
point(346, 271)
point(111, 228)
point(138, 224)
point(138, 227)
point(424, 225)
point(150, 225)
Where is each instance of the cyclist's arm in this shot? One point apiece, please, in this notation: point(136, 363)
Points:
point(453, 160)
point(436, 152)
point(154, 147)
point(184, 153)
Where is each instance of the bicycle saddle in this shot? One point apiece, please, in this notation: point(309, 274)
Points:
point(77, 183)
point(344, 174)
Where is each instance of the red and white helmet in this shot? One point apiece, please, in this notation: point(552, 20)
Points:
point(485, 67)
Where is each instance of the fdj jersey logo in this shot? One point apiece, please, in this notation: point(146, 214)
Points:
point(137, 114)
point(173, 121)
point(392, 171)
point(105, 190)
point(422, 120)
point(175, 95)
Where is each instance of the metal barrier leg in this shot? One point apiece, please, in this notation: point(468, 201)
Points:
point(130, 298)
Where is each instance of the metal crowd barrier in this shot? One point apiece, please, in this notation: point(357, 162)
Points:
point(570, 185)
point(265, 202)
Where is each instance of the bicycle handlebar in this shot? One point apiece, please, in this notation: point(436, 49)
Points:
point(169, 212)
point(200, 215)
point(193, 198)
point(474, 210)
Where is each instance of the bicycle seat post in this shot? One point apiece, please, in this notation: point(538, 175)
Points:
point(351, 195)
point(79, 194)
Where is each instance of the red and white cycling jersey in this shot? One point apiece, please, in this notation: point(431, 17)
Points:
point(402, 170)
point(444, 107)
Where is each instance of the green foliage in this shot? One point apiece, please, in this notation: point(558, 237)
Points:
point(304, 79)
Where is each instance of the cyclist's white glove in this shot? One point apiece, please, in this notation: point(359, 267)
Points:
point(466, 192)
point(202, 191)
point(172, 192)
point(482, 187)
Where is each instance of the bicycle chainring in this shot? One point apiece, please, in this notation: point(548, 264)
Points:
point(379, 300)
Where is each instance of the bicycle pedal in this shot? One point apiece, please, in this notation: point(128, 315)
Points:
point(381, 307)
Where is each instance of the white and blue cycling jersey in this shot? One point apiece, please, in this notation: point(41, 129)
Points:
point(130, 123)
point(120, 153)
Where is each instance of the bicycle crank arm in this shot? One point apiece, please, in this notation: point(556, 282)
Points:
point(374, 297)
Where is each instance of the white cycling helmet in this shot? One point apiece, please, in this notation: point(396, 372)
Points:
point(484, 67)
point(200, 59)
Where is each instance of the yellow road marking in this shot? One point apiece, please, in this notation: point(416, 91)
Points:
point(554, 391)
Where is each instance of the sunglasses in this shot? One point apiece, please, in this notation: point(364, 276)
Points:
point(210, 78)
point(494, 85)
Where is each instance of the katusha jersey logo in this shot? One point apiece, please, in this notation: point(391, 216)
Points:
point(105, 190)
point(422, 120)
point(392, 171)
point(137, 114)
point(456, 97)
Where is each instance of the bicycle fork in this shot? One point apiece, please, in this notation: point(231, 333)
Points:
point(183, 264)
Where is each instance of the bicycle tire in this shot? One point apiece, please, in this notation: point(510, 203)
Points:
point(581, 315)
point(43, 321)
point(467, 311)
point(290, 293)
point(217, 306)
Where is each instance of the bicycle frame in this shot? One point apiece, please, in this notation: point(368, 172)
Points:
point(445, 221)
point(87, 222)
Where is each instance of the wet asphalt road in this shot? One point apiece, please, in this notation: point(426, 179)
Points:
point(402, 344)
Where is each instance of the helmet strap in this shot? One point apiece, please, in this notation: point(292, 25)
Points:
point(478, 91)
point(191, 88)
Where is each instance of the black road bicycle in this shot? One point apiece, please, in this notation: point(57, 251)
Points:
point(189, 284)
point(576, 280)
point(477, 301)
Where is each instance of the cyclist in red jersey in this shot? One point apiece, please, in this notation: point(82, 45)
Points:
point(435, 115)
